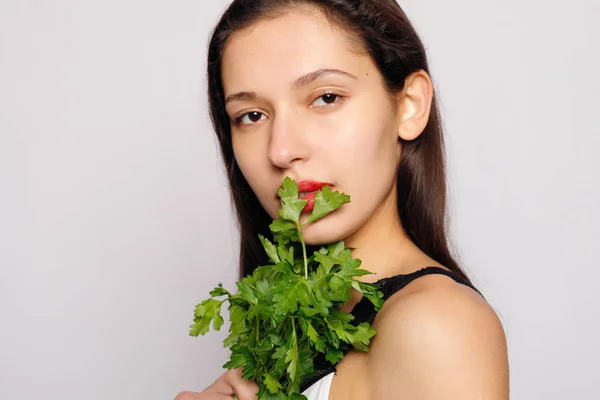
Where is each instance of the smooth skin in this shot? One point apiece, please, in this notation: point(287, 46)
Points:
point(436, 339)
point(226, 385)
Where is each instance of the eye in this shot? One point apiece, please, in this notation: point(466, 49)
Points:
point(329, 98)
point(254, 116)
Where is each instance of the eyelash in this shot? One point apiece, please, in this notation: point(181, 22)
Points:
point(237, 120)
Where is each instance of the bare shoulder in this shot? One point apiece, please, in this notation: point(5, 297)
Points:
point(437, 339)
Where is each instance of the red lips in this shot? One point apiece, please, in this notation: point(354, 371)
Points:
point(310, 186)
point(307, 191)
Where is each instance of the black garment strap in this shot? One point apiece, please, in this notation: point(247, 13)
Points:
point(364, 311)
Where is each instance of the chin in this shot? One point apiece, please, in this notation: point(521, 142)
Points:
point(327, 230)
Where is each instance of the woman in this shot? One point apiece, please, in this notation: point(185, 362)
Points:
point(338, 92)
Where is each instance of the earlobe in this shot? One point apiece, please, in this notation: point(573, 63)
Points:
point(414, 105)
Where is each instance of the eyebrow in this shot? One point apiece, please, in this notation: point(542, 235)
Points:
point(301, 81)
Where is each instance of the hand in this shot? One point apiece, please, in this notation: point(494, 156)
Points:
point(228, 385)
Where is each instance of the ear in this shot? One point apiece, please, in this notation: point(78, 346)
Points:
point(414, 105)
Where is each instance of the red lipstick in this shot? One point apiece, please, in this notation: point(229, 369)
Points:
point(307, 191)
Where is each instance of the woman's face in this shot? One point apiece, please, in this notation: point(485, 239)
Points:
point(339, 128)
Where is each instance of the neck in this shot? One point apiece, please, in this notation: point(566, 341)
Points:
point(382, 245)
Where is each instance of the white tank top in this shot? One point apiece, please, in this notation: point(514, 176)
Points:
point(320, 389)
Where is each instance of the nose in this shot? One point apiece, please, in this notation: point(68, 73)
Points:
point(287, 143)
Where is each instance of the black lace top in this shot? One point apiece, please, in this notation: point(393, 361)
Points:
point(364, 311)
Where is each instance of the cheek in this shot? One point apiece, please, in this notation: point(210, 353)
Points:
point(368, 160)
point(368, 149)
point(365, 164)
point(255, 167)
point(244, 161)
point(249, 154)
point(366, 129)
point(242, 155)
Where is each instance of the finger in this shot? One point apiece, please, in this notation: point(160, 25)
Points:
point(243, 388)
point(232, 383)
point(202, 396)
point(221, 385)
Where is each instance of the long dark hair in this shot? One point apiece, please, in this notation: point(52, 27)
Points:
point(381, 29)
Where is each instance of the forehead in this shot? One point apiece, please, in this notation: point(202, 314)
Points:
point(275, 52)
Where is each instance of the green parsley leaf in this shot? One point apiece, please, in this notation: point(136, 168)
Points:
point(284, 231)
point(218, 291)
point(286, 313)
point(326, 201)
point(291, 205)
point(270, 249)
point(206, 312)
point(291, 356)
point(271, 383)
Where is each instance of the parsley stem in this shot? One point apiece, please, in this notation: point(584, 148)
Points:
point(303, 250)
point(257, 333)
point(294, 327)
point(295, 347)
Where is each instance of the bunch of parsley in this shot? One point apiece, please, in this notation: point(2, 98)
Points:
point(287, 312)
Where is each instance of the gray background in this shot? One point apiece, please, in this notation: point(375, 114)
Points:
point(114, 213)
